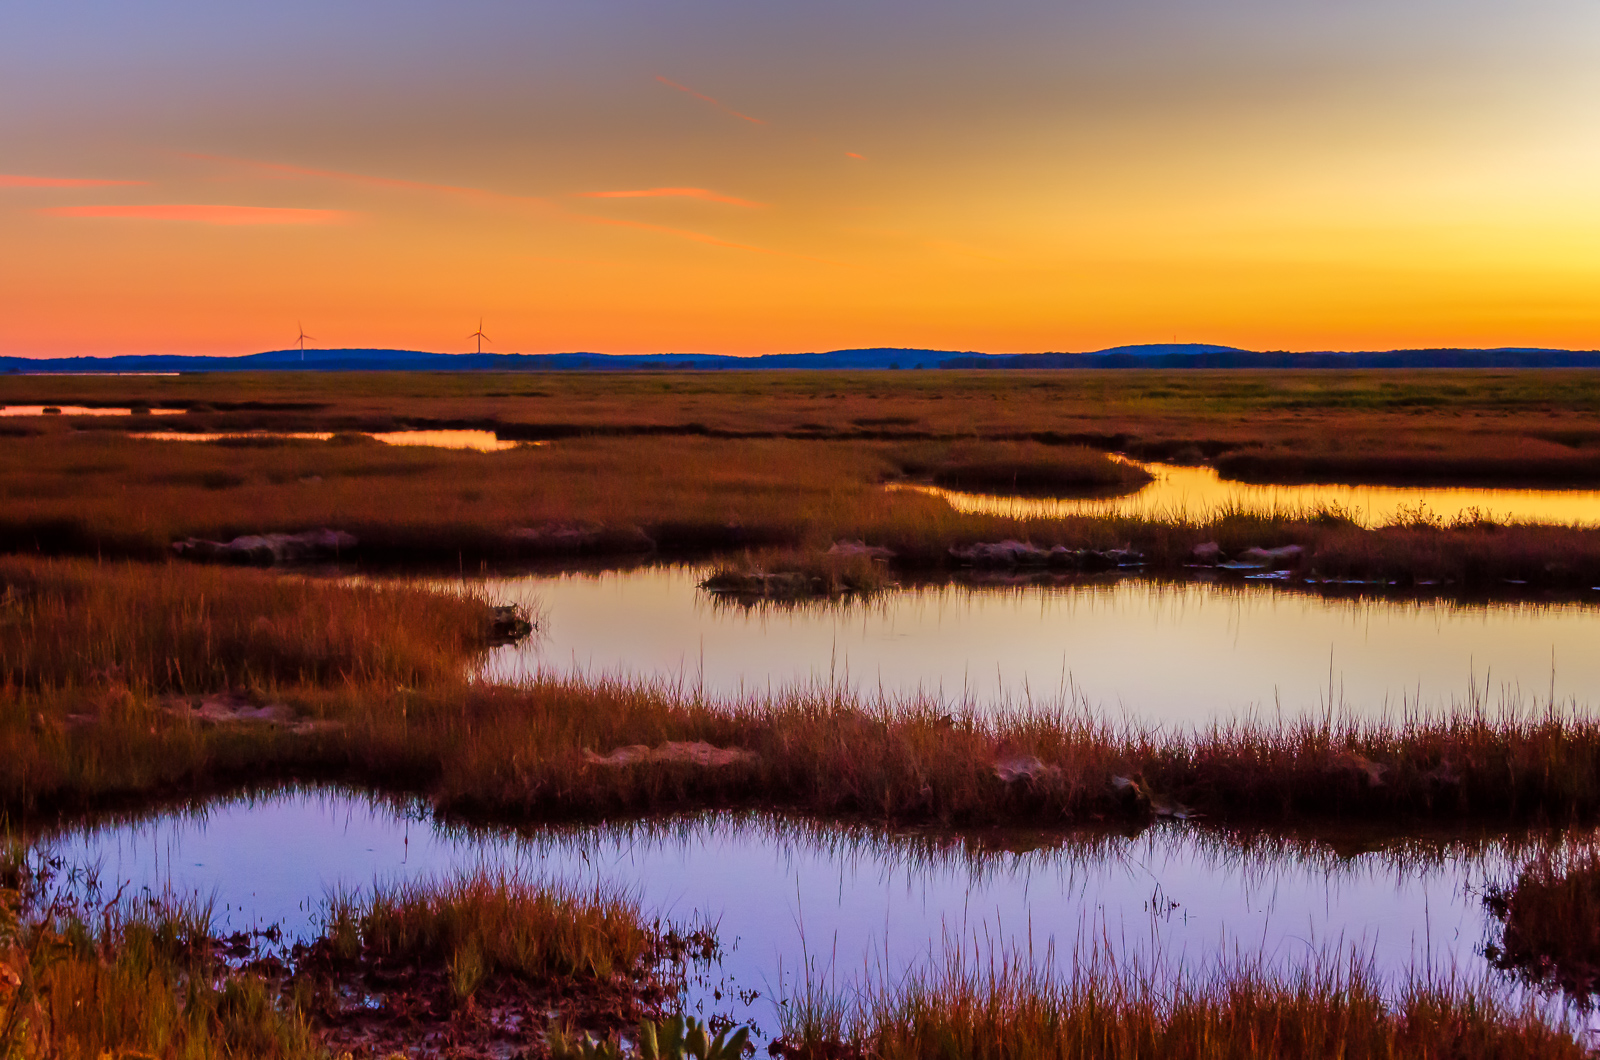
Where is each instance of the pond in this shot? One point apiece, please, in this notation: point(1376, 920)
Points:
point(1156, 652)
point(1196, 492)
point(482, 441)
point(80, 410)
point(856, 904)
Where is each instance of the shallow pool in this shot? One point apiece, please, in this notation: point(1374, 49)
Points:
point(853, 904)
point(1157, 652)
point(1199, 492)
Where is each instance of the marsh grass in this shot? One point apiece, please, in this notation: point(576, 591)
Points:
point(526, 753)
point(69, 624)
point(142, 978)
point(378, 683)
point(495, 923)
point(1025, 468)
point(102, 494)
point(147, 977)
point(1007, 1006)
point(796, 574)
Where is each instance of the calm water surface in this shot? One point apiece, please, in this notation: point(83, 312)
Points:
point(854, 902)
point(79, 410)
point(1157, 652)
point(482, 441)
point(1197, 492)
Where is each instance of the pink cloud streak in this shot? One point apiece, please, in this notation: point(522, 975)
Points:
point(703, 194)
point(18, 180)
point(707, 99)
point(287, 170)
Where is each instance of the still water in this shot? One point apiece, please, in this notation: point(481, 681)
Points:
point(482, 441)
point(79, 410)
point(1155, 652)
point(856, 904)
point(1198, 492)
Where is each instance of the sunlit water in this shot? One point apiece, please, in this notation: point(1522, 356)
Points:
point(1156, 652)
point(482, 441)
point(1197, 492)
point(855, 904)
point(79, 410)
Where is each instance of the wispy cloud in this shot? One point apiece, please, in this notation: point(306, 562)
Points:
point(703, 194)
point(288, 171)
point(707, 99)
point(18, 180)
point(206, 214)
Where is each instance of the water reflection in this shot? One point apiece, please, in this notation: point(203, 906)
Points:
point(482, 441)
point(1198, 492)
point(1159, 652)
point(862, 899)
point(80, 410)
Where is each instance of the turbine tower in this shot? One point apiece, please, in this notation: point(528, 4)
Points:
point(479, 335)
point(302, 341)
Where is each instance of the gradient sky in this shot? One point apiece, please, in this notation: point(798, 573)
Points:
point(751, 176)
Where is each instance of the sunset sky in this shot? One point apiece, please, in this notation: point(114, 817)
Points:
point(753, 176)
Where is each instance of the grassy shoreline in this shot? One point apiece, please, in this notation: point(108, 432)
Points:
point(121, 683)
point(1524, 425)
point(108, 497)
point(499, 964)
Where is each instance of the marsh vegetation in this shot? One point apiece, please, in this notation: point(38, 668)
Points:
point(128, 677)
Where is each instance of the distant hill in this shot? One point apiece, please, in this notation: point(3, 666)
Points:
point(1153, 355)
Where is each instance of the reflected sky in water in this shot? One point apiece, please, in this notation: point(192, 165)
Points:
point(482, 441)
point(80, 410)
point(1197, 492)
point(1157, 652)
point(856, 901)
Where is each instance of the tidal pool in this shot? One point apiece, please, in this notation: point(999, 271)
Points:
point(851, 905)
point(79, 410)
point(482, 441)
point(1154, 652)
point(1198, 492)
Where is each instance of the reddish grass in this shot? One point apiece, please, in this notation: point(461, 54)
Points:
point(70, 624)
point(1105, 1011)
point(100, 494)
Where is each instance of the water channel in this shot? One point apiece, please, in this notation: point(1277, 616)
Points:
point(854, 905)
point(1156, 652)
point(1196, 493)
point(481, 441)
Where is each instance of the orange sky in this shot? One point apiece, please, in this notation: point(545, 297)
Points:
point(739, 178)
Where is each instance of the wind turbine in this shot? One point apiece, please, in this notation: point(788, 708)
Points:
point(479, 335)
point(302, 340)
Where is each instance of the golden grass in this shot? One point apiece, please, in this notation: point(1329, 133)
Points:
point(1102, 1011)
point(141, 979)
point(377, 689)
point(147, 977)
point(73, 624)
point(494, 924)
point(100, 494)
point(1504, 427)
point(1026, 468)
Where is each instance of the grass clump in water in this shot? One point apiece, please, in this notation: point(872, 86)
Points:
point(789, 574)
point(1550, 924)
point(482, 961)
